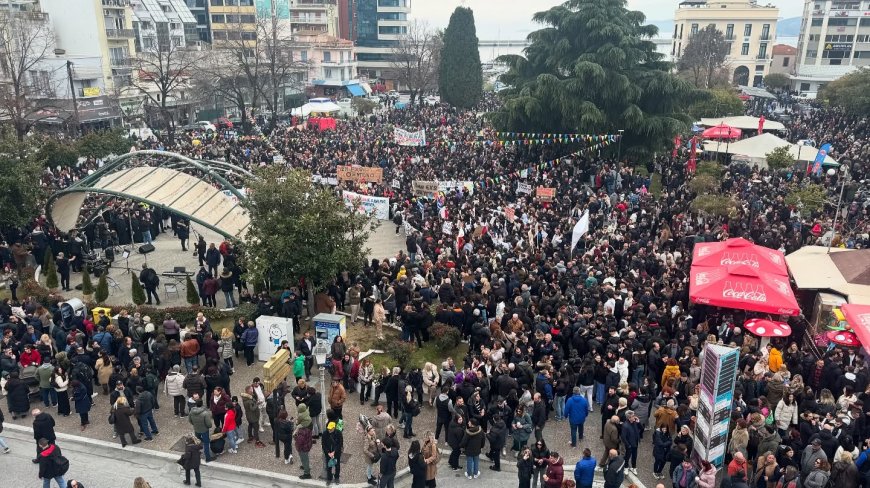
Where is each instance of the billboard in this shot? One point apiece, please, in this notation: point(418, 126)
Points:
point(718, 374)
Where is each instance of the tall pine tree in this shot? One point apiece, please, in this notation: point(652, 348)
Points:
point(460, 78)
point(593, 68)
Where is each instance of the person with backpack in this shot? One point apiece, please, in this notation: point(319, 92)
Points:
point(302, 437)
point(52, 464)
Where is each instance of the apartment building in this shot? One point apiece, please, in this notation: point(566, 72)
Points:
point(834, 41)
point(784, 59)
point(199, 10)
point(332, 69)
point(307, 16)
point(749, 29)
point(232, 20)
point(375, 27)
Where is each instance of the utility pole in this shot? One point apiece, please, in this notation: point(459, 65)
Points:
point(72, 90)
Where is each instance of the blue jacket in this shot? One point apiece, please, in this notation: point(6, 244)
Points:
point(584, 471)
point(250, 336)
point(104, 339)
point(631, 433)
point(576, 409)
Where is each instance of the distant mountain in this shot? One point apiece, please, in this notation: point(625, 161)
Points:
point(790, 27)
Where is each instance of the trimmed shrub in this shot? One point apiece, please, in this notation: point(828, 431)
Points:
point(102, 291)
point(445, 337)
point(138, 291)
point(87, 286)
point(51, 281)
point(192, 292)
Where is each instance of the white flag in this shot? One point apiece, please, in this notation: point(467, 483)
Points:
point(580, 228)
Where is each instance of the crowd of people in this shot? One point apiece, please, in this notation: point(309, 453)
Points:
point(556, 333)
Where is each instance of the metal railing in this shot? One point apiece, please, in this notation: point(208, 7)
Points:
point(116, 3)
point(120, 33)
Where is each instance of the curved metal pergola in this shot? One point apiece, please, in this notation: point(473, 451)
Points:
point(192, 188)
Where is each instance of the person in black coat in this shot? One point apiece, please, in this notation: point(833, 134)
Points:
point(191, 460)
point(389, 456)
point(417, 465)
point(455, 432)
point(212, 259)
point(525, 468)
point(43, 428)
point(497, 436)
point(17, 396)
point(47, 456)
point(332, 445)
point(315, 406)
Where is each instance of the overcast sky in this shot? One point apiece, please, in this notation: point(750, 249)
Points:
point(511, 19)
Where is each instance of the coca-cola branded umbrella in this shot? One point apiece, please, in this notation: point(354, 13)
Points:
point(744, 288)
point(739, 251)
point(858, 318)
point(767, 328)
point(843, 338)
point(722, 131)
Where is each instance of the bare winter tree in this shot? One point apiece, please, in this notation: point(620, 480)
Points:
point(163, 72)
point(705, 52)
point(281, 70)
point(27, 82)
point(416, 59)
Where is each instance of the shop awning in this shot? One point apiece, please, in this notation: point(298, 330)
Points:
point(356, 90)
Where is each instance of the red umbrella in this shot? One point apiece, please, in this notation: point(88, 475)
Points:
point(843, 338)
point(743, 97)
point(742, 287)
point(767, 328)
point(722, 131)
point(858, 317)
point(739, 251)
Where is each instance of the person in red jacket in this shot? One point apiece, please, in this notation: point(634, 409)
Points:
point(229, 428)
point(555, 472)
point(29, 357)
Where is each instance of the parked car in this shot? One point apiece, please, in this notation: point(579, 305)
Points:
point(224, 123)
point(432, 100)
point(202, 125)
point(393, 94)
point(344, 101)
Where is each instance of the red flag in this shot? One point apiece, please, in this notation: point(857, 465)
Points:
point(677, 142)
point(760, 125)
point(690, 167)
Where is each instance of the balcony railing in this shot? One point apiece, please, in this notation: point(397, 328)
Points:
point(116, 3)
point(120, 33)
point(761, 56)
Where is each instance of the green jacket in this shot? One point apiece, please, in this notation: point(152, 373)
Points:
point(200, 419)
point(303, 418)
point(299, 367)
point(252, 413)
point(43, 374)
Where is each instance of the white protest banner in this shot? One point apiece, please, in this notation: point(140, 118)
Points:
point(465, 186)
point(405, 138)
point(332, 181)
point(447, 228)
point(395, 183)
point(378, 207)
point(580, 228)
point(524, 188)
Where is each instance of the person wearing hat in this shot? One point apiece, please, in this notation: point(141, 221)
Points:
point(811, 454)
point(332, 443)
point(63, 267)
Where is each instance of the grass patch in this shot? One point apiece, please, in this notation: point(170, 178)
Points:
point(655, 185)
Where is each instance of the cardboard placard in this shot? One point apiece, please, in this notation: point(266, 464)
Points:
point(524, 188)
point(422, 188)
point(545, 194)
point(360, 173)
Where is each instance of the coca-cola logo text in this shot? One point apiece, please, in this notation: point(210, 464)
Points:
point(744, 291)
point(737, 258)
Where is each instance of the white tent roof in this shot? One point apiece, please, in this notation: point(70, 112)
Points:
point(320, 107)
point(757, 148)
point(743, 122)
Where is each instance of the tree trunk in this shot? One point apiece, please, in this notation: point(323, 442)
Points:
point(310, 304)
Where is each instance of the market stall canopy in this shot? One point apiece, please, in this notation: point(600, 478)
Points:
point(739, 251)
point(756, 149)
point(743, 122)
point(722, 131)
point(843, 271)
point(858, 317)
point(753, 91)
point(742, 287)
point(316, 106)
point(767, 328)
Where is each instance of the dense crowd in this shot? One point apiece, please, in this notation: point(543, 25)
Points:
point(556, 334)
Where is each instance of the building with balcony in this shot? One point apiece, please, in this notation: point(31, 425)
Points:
point(232, 20)
point(162, 25)
point(306, 16)
point(834, 41)
point(749, 29)
point(199, 9)
point(332, 69)
point(375, 27)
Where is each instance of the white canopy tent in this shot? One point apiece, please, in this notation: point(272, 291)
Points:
point(743, 122)
point(755, 150)
point(315, 106)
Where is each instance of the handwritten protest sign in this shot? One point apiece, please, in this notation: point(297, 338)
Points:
point(360, 174)
point(545, 194)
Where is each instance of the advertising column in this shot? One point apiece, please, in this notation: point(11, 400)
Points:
point(718, 374)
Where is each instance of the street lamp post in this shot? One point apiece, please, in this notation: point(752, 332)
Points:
point(619, 148)
point(845, 176)
point(321, 350)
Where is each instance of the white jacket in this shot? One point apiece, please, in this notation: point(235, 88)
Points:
point(174, 385)
point(785, 415)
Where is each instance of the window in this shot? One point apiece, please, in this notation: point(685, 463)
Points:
point(785, 61)
point(694, 30)
point(759, 67)
point(303, 55)
point(762, 50)
point(842, 22)
point(805, 87)
point(744, 51)
point(814, 37)
point(728, 47)
point(218, 19)
point(249, 36)
point(146, 25)
point(816, 22)
point(148, 42)
point(327, 56)
point(863, 37)
point(765, 32)
point(865, 22)
point(176, 41)
point(676, 29)
point(729, 31)
point(862, 54)
point(327, 73)
point(248, 19)
point(232, 19)
point(217, 3)
point(835, 62)
point(681, 31)
point(747, 30)
point(812, 53)
point(840, 38)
